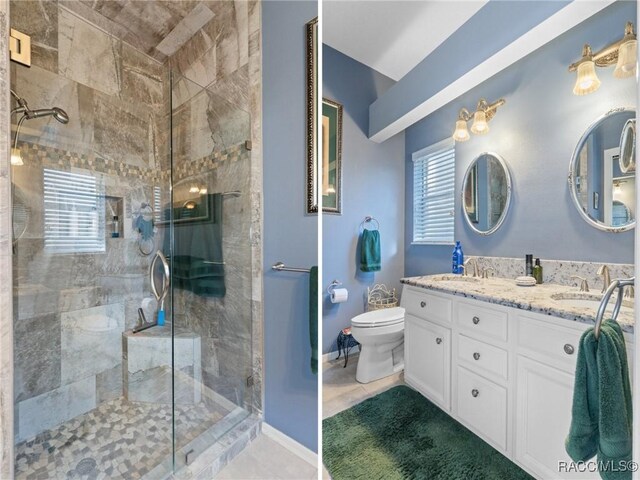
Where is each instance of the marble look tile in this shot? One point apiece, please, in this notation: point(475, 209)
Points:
point(121, 130)
point(39, 20)
point(142, 77)
point(55, 407)
point(37, 356)
point(88, 55)
point(44, 89)
point(91, 341)
point(185, 29)
point(109, 384)
point(6, 303)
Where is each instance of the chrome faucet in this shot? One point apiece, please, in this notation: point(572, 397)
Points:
point(584, 286)
point(603, 271)
point(475, 266)
point(485, 271)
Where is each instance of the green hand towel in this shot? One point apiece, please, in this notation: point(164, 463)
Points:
point(313, 317)
point(370, 251)
point(601, 413)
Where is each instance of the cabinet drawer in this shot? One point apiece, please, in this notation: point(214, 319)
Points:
point(482, 321)
point(483, 405)
point(482, 357)
point(427, 306)
point(553, 344)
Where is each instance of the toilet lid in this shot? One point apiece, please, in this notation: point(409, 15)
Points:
point(379, 318)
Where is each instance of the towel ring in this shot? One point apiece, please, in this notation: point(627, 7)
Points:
point(368, 219)
point(616, 284)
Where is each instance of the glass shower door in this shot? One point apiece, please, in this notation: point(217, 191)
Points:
point(210, 263)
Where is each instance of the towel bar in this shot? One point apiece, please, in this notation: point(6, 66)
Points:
point(616, 284)
point(281, 267)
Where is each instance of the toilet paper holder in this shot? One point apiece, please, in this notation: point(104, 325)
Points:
point(332, 285)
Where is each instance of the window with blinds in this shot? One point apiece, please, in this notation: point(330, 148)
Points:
point(74, 212)
point(433, 194)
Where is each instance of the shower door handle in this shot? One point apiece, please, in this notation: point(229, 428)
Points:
point(166, 278)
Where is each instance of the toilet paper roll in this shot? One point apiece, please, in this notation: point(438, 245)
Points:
point(339, 295)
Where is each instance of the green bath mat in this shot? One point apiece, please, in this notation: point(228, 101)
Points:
point(399, 434)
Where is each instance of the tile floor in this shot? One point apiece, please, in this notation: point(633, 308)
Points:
point(266, 459)
point(340, 389)
point(118, 439)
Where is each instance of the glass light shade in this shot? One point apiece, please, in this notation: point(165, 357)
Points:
point(587, 81)
point(16, 157)
point(203, 191)
point(626, 66)
point(480, 125)
point(194, 189)
point(461, 134)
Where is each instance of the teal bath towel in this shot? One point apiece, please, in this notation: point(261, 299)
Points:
point(313, 317)
point(601, 416)
point(370, 251)
point(197, 263)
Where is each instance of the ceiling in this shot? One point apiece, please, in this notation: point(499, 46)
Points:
point(392, 37)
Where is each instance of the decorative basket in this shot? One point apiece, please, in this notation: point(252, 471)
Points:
point(380, 297)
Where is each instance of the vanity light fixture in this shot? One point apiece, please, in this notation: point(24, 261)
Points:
point(194, 189)
point(481, 117)
point(16, 157)
point(622, 54)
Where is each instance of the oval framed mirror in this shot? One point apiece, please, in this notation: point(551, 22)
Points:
point(486, 193)
point(628, 147)
point(601, 191)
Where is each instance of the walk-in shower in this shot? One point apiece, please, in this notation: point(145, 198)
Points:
point(136, 174)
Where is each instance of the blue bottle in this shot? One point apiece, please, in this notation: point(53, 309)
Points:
point(458, 259)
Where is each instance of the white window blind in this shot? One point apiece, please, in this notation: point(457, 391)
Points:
point(74, 214)
point(433, 194)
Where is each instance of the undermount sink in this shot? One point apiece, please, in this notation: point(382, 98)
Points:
point(452, 277)
point(592, 302)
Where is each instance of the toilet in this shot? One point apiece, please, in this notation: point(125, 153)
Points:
point(381, 337)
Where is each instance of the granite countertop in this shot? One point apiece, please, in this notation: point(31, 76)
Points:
point(548, 299)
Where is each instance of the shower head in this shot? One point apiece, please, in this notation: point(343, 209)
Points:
point(57, 113)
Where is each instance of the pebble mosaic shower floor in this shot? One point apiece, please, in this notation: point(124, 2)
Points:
point(118, 439)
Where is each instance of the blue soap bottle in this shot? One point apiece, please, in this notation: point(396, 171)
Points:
point(458, 259)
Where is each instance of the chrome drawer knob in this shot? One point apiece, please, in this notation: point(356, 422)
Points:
point(423, 304)
point(476, 320)
point(568, 349)
point(438, 340)
point(475, 393)
point(476, 356)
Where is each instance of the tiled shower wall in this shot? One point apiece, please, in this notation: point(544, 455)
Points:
point(117, 98)
point(224, 56)
point(71, 309)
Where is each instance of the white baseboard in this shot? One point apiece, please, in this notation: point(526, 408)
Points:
point(334, 355)
point(290, 444)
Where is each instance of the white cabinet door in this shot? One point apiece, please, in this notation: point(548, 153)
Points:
point(543, 414)
point(427, 359)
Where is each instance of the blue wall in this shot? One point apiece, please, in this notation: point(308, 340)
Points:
point(291, 393)
point(373, 184)
point(536, 132)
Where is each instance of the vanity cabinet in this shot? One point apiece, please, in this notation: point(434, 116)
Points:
point(504, 373)
point(543, 416)
point(427, 360)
